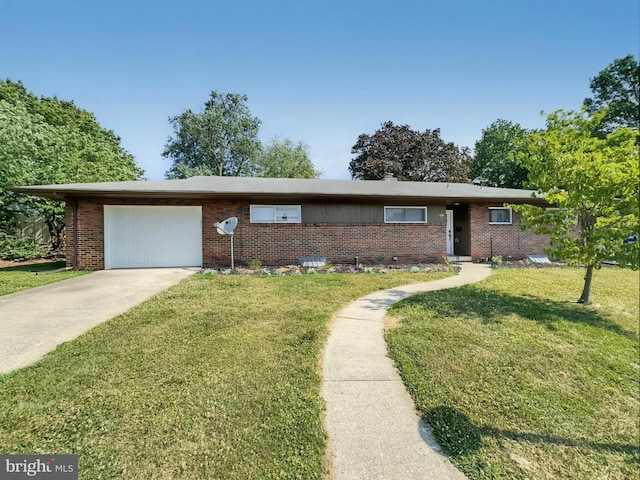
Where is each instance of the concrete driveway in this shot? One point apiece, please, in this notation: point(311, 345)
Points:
point(33, 322)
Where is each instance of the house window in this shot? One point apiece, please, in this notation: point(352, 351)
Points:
point(553, 213)
point(499, 215)
point(405, 214)
point(275, 213)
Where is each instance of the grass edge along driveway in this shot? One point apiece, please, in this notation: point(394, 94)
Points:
point(518, 381)
point(217, 377)
point(14, 279)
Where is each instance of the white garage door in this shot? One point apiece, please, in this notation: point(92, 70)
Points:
point(152, 236)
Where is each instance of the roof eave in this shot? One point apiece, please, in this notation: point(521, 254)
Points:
point(71, 194)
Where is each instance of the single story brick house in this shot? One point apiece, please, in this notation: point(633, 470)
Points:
point(168, 223)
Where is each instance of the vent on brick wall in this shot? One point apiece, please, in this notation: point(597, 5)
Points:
point(539, 258)
point(312, 261)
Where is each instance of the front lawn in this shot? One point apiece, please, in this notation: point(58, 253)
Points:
point(215, 378)
point(520, 382)
point(13, 279)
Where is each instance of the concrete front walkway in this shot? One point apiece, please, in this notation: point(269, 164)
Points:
point(374, 429)
point(33, 322)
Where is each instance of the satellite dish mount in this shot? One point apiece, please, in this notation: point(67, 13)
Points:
point(226, 227)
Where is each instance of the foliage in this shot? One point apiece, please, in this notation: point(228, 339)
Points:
point(217, 377)
point(408, 155)
point(617, 89)
point(496, 261)
point(493, 164)
point(593, 182)
point(219, 140)
point(255, 264)
point(283, 159)
point(47, 141)
point(519, 382)
point(12, 248)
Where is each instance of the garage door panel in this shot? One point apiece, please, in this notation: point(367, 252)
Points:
point(152, 236)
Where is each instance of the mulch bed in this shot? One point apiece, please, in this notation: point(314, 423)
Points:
point(339, 268)
point(26, 263)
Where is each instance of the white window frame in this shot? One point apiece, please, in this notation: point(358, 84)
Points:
point(277, 218)
point(573, 219)
point(412, 207)
point(510, 222)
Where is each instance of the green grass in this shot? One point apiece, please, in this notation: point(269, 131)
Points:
point(520, 382)
point(13, 279)
point(215, 378)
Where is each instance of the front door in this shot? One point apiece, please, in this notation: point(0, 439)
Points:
point(450, 232)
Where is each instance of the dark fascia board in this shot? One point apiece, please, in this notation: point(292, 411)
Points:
point(261, 189)
point(60, 194)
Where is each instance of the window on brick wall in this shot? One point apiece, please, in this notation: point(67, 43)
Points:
point(275, 214)
point(405, 214)
point(499, 215)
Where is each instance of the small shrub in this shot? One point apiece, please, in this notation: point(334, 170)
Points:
point(311, 271)
point(368, 270)
point(265, 272)
point(496, 261)
point(415, 269)
point(255, 264)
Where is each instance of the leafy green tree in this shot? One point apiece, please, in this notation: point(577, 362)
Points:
point(593, 182)
point(283, 159)
point(617, 88)
point(222, 139)
point(47, 141)
point(493, 164)
point(409, 155)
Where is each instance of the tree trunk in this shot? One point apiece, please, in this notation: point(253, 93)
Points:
point(586, 291)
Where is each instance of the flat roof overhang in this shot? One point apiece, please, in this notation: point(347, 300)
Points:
point(285, 190)
point(67, 195)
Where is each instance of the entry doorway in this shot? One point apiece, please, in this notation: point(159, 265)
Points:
point(458, 230)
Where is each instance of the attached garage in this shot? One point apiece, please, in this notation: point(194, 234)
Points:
point(144, 236)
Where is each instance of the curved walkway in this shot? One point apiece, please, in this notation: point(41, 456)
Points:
point(374, 429)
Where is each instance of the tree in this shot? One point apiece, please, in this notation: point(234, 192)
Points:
point(45, 141)
point(409, 155)
point(617, 88)
point(593, 182)
point(220, 140)
point(283, 159)
point(493, 164)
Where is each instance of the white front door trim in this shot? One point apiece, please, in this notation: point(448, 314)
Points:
point(450, 239)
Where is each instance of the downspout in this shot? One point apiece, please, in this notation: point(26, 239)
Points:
point(75, 234)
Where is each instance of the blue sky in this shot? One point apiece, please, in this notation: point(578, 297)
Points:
point(321, 72)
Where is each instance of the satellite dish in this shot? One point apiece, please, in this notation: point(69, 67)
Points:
point(226, 227)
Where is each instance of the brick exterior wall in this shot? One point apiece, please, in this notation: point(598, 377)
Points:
point(283, 244)
point(488, 240)
point(89, 237)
